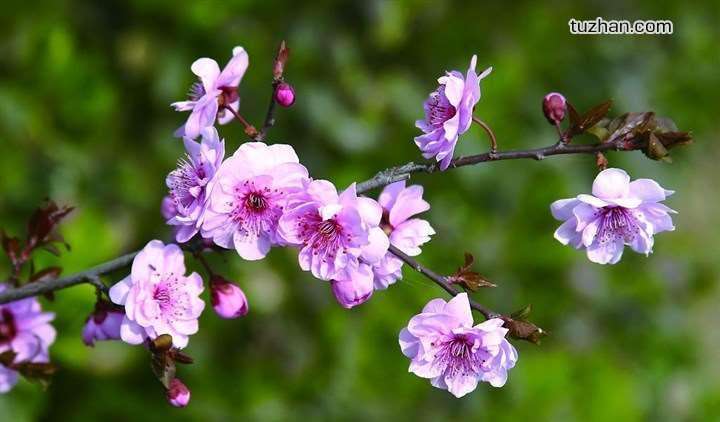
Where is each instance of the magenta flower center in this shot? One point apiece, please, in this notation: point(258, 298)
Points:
point(8, 330)
point(617, 223)
point(457, 358)
point(439, 110)
point(257, 210)
point(186, 183)
point(325, 237)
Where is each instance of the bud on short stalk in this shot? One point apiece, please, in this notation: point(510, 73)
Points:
point(554, 108)
point(178, 395)
point(284, 94)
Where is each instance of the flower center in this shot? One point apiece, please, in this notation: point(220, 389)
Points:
point(161, 294)
point(617, 223)
point(256, 202)
point(256, 210)
point(456, 356)
point(8, 330)
point(439, 110)
point(186, 182)
point(196, 91)
point(324, 237)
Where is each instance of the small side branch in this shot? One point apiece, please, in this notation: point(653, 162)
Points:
point(440, 281)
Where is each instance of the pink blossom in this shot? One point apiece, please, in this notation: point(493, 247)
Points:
point(158, 297)
point(399, 204)
point(228, 299)
point(448, 113)
point(178, 394)
point(215, 90)
point(26, 331)
point(336, 233)
point(445, 347)
point(354, 291)
point(191, 182)
point(103, 324)
point(251, 191)
point(618, 213)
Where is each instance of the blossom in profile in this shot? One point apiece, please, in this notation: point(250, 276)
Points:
point(178, 395)
point(158, 297)
point(103, 324)
point(250, 193)
point(336, 233)
point(216, 90)
point(190, 183)
point(399, 205)
point(25, 330)
point(351, 292)
point(448, 113)
point(228, 299)
point(618, 213)
point(445, 347)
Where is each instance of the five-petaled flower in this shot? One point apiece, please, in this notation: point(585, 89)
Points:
point(25, 330)
point(190, 183)
point(336, 233)
point(618, 213)
point(448, 113)
point(158, 297)
point(216, 91)
point(445, 347)
point(250, 194)
point(400, 204)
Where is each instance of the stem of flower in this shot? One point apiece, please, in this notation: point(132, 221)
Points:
point(491, 134)
point(249, 129)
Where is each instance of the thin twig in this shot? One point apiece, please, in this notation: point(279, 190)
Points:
point(440, 281)
point(47, 286)
point(491, 134)
point(382, 178)
point(269, 115)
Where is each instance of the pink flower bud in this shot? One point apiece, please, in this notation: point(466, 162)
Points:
point(178, 394)
point(284, 94)
point(554, 107)
point(352, 292)
point(103, 324)
point(227, 298)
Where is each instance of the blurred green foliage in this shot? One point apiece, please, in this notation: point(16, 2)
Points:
point(85, 89)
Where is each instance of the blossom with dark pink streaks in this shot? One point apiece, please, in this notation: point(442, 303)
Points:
point(250, 195)
point(216, 90)
point(445, 346)
point(618, 213)
point(448, 113)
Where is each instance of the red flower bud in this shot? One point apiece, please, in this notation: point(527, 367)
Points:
point(178, 394)
point(284, 94)
point(554, 107)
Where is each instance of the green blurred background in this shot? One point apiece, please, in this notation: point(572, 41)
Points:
point(85, 89)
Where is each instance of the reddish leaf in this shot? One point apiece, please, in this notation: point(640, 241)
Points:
point(42, 223)
point(470, 280)
point(11, 246)
point(579, 124)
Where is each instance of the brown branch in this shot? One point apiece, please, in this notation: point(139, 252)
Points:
point(382, 178)
point(440, 281)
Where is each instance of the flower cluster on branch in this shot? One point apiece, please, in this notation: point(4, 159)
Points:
point(262, 197)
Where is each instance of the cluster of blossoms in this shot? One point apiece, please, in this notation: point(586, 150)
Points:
point(262, 197)
point(25, 332)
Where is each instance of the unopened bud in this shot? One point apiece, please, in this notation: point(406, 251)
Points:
point(353, 292)
point(178, 394)
point(554, 107)
point(284, 94)
point(228, 300)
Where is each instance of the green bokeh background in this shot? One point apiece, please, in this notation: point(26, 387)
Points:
point(85, 89)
